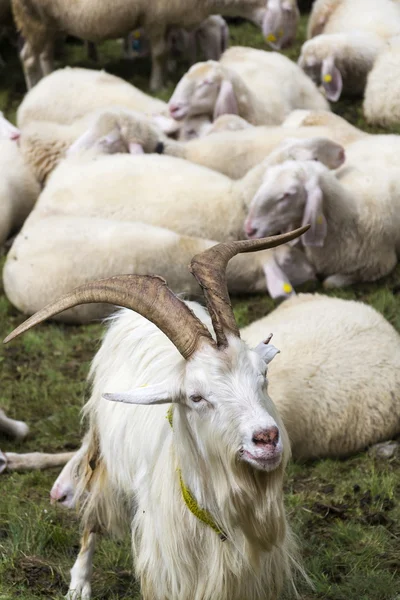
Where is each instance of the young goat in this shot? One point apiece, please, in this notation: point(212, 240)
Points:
point(223, 447)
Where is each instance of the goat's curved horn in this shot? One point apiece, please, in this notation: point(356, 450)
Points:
point(147, 295)
point(209, 268)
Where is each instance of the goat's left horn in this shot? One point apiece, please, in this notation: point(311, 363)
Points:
point(209, 269)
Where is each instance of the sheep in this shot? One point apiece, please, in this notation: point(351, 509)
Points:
point(340, 62)
point(16, 429)
point(333, 376)
point(39, 23)
point(42, 262)
point(124, 188)
point(381, 105)
point(231, 465)
point(261, 87)
point(380, 17)
point(354, 234)
point(19, 189)
point(280, 23)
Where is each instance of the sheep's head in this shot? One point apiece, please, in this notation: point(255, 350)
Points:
point(317, 59)
point(280, 23)
point(221, 383)
point(289, 195)
point(204, 90)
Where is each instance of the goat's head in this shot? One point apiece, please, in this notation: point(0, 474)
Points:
point(204, 90)
point(221, 383)
point(289, 195)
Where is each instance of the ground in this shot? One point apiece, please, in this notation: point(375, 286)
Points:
point(346, 513)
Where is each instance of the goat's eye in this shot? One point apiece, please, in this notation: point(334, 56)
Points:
point(195, 398)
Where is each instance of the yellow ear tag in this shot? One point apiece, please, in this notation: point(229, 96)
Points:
point(270, 38)
point(287, 288)
point(136, 34)
point(327, 78)
point(320, 220)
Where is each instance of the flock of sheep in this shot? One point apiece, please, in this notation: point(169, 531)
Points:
point(109, 188)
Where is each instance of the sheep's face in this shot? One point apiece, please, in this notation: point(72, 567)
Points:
point(278, 205)
point(197, 91)
point(280, 24)
point(231, 416)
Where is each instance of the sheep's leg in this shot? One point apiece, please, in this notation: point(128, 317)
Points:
point(338, 280)
point(91, 51)
point(158, 55)
point(31, 65)
point(47, 59)
point(81, 572)
point(33, 461)
point(16, 429)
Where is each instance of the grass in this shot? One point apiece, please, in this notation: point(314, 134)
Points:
point(345, 513)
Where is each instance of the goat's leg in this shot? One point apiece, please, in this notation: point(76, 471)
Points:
point(31, 65)
point(81, 572)
point(46, 58)
point(32, 461)
point(158, 55)
point(16, 429)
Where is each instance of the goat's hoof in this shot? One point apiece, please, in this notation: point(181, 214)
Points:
point(3, 462)
point(82, 591)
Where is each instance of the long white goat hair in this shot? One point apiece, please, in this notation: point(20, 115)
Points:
point(259, 553)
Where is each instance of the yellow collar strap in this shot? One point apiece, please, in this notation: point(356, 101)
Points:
point(191, 502)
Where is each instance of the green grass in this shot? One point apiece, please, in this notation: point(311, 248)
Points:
point(346, 513)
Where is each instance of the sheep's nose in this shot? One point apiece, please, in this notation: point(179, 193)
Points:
point(266, 437)
point(250, 230)
point(174, 108)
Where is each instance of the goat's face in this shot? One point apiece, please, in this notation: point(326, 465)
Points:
point(197, 91)
point(278, 203)
point(230, 413)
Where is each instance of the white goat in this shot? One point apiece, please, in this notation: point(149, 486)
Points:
point(380, 17)
point(42, 262)
point(381, 101)
point(184, 197)
point(40, 20)
point(341, 61)
point(223, 435)
point(262, 87)
point(354, 234)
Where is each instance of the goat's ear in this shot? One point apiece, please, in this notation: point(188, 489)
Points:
point(135, 148)
point(226, 100)
point(146, 395)
point(7, 129)
point(266, 350)
point(331, 79)
point(278, 285)
point(313, 215)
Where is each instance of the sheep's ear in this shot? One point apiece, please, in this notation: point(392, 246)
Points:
point(151, 394)
point(7, 129)
point(331, 79)
point(278, 285)
point(266, 350)
point(313, 215)
point(226, 101)
point(135, 148)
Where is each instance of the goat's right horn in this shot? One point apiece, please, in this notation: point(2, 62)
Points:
point(147, 295)
point(209, 269)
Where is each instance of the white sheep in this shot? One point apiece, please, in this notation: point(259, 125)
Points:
point(381, 104)
point(262, 87)
point(223, 448)
point(44, 262)
point(280, 23)
point(184, 197)
point(340, 62)
point(354, 216)
point(39, 23)
point(380, 17)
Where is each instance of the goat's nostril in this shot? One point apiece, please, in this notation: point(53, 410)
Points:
point(266, 437)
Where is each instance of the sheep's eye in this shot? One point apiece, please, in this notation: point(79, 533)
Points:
point(195, 398)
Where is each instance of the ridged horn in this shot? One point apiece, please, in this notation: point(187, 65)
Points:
point(147, 295)
point(209, 269)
